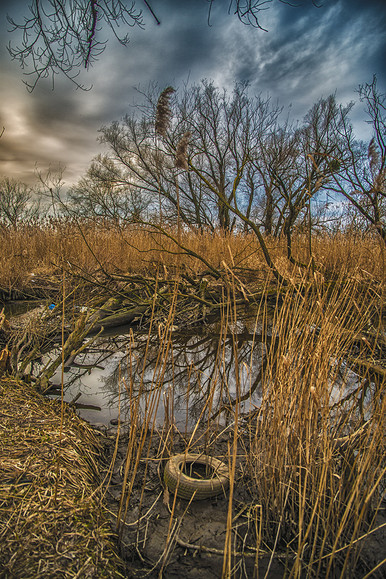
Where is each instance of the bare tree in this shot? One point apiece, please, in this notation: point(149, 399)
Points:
point(274, 166)
point(224, 131)
point(18, 203)
point(98, 196)
point(60, 36)
point(210, 188)
point(241, 166)
point(362, 175)
point(294, 165)
point(248, 11)
point(51, 184)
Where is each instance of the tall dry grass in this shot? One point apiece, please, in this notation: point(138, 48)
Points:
point(310, 460)
point(316, 458)
point(90, 247)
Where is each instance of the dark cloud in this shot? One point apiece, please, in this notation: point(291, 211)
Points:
point(307, 53)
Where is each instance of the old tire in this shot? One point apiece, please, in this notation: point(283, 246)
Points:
point(187, 486)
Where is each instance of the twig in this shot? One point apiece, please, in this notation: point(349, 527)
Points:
point(220, 552)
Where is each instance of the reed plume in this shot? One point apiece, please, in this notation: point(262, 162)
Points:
point(181, 151)
point(163, 112)
point(372, 154)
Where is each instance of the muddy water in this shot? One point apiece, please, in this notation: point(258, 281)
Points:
point(179, 377)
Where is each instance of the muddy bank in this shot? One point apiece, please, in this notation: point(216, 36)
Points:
point(58, 521)
point(164, 536)
point(161, 535)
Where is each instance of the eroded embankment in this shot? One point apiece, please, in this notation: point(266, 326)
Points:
point(52, 521)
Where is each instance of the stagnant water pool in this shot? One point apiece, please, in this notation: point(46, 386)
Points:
point(169, 374)
point(180, 375)
point(176, 376)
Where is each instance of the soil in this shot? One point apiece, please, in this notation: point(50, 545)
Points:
point(198, 529)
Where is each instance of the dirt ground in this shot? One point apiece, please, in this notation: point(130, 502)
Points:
point(197, 530)
point(30, 428)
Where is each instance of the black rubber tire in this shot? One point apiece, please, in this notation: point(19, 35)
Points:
point(187, 486)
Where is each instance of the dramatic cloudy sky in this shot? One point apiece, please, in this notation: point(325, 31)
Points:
point(307, 53)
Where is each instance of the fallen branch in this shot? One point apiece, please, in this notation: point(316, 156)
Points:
point(250, 553)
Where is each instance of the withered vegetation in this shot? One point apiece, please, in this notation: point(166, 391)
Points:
point(307, 467)
point(52, 519)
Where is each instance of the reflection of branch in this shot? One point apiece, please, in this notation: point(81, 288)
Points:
point(188, 352)
point(247, 394)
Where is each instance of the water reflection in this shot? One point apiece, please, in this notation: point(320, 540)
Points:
point(185, 375)
point(18, 307)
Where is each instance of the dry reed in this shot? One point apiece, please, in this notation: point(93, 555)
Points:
point(34, 253)
point(309, 462)
point(52, 521)
point(316, 460)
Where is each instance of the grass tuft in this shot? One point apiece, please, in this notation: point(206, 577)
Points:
point(52, 521)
